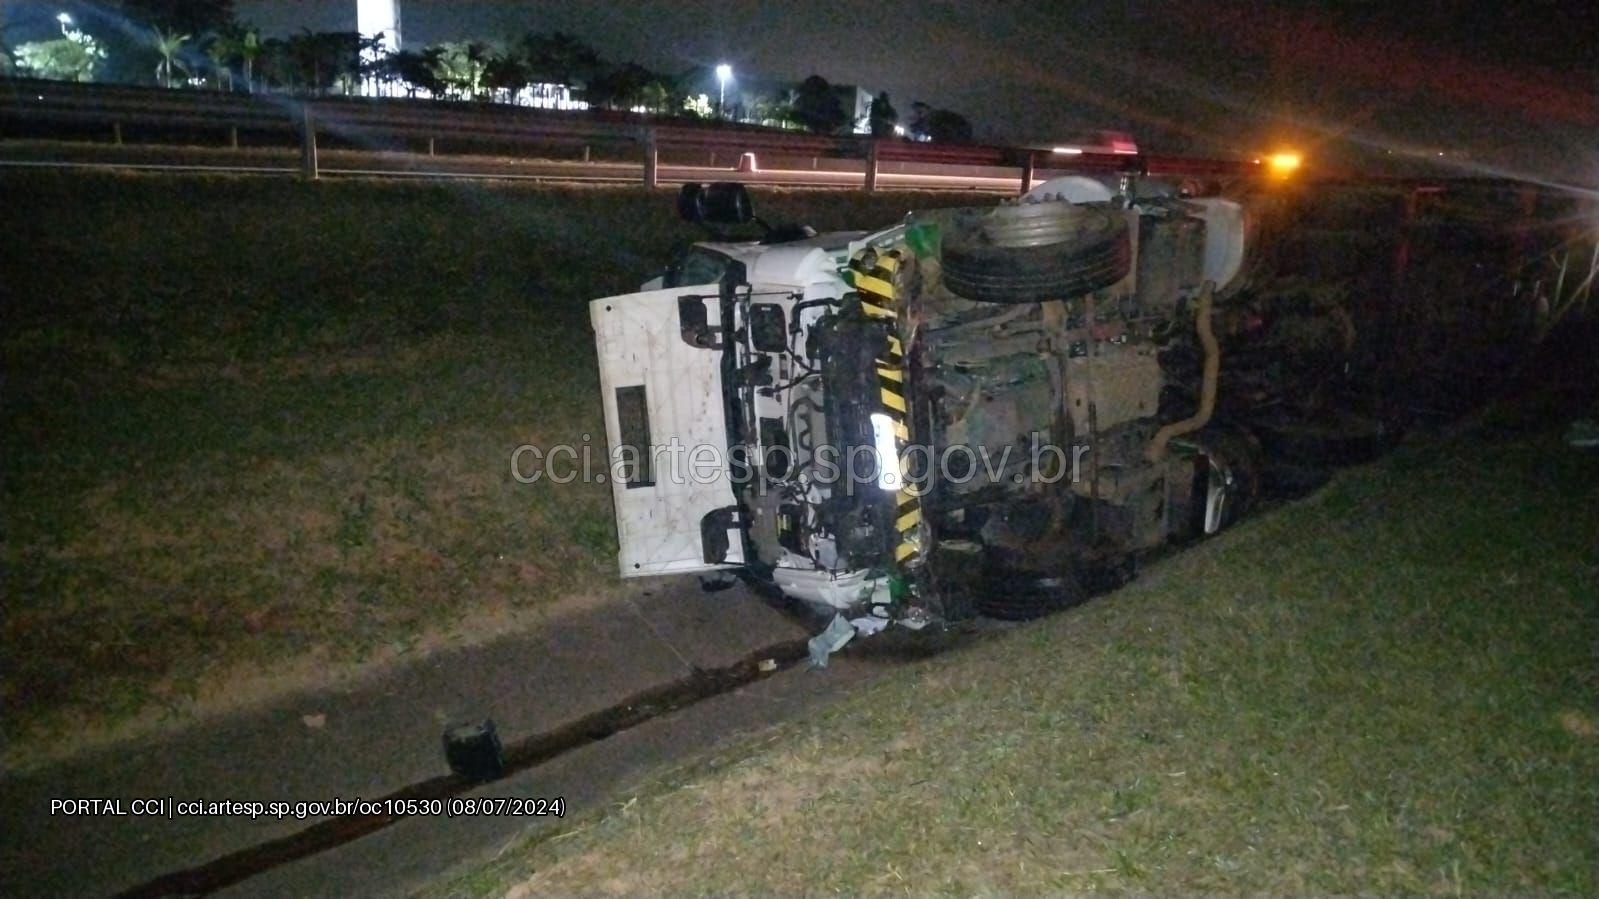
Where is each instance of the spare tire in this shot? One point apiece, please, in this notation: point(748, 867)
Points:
point(1033, 252)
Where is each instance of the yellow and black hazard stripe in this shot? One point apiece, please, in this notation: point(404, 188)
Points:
point(873, 275)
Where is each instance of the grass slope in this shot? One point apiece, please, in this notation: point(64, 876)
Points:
point(250, 420)
point(1389, 687)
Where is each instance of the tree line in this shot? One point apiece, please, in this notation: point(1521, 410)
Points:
point(200, 43)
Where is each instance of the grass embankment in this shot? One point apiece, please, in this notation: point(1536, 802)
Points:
point(249, 421)
point(1389, 687)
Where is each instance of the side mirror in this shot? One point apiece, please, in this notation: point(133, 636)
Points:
point(722, 203)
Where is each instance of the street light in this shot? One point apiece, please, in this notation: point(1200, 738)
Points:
point(724, 73)
point(66, 22)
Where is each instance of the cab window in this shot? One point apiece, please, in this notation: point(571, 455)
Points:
point(696, 266)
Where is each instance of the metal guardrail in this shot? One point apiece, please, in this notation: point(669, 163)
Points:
point(32, 102)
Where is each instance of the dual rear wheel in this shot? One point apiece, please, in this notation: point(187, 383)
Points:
point(1035, 252)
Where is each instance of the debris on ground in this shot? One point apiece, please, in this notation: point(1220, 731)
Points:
point(832, 638)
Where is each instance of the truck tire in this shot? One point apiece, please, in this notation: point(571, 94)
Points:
point(1025, 596)
point(1036, 252)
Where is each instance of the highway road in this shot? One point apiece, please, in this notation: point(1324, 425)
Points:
point(343, 164)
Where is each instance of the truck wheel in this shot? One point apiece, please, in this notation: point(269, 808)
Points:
point(1034, 252)
point(954, 578)
point(1025, 596)
point(1339, 440)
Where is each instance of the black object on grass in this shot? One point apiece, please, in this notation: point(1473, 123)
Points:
point(473, 751)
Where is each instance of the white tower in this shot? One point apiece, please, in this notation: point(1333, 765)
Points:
point(374, 17)
point(378, 18)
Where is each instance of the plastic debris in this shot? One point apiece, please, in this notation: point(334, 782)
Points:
point(766, 666)
point(882, 591)
point(867, 625)
point(832, 638)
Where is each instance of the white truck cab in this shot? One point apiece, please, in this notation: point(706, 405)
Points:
point(735, 312)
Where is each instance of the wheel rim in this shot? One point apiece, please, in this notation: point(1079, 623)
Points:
point(1218, 489)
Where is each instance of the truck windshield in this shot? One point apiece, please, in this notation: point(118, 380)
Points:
point(697, 266)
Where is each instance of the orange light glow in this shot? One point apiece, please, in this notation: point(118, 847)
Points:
point(1283, 163)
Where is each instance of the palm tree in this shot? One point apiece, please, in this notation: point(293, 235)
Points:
point(477, 58)
point(7, 64)
point(220, 50)
point(247, 42)
point(623, 87)
point(306, 74)
point(505, 74)
point(344, 53)
point(882, 116)
point(371, 51)
point(460, 66)
point(655, 95)
point(416, 71)
point(169, 44)
point(324, 60)
point(277, 64)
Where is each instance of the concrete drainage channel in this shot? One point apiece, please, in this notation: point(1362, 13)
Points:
point(701, 684)
point(518, 756)
point(514, 758)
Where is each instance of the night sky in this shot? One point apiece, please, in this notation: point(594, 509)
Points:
point(1512, 85)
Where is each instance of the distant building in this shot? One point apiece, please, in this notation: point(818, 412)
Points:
point(544, 95)
point(379, 18)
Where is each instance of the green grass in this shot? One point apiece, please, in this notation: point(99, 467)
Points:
point(1387, 688)
point(247, 421)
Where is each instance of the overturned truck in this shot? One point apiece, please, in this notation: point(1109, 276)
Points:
point(976, 411)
